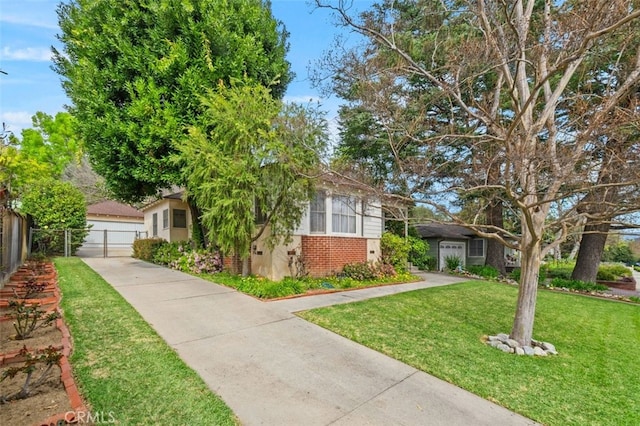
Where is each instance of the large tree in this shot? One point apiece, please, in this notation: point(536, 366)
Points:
point(135, 71)
point(504, 70)
point(248, 164)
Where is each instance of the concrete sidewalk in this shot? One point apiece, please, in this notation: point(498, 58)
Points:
point(273, 368)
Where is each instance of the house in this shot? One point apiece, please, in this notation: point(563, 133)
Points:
point(447, 239)
point(113, 227)
point(168, 218)
point(342, 224)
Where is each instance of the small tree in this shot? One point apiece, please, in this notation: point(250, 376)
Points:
point(246, 165)
point(394, 251)
point(54, 206)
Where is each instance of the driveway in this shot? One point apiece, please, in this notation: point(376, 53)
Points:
point(273, 368)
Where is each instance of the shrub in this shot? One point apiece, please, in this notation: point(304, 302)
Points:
point(360, 271)
point(612, 272)
point(365, 271)
point(542, 274)
point(395, 251)
point(484, 271)
point(452, 262)
point(431, 263)
point(164, 254)
point(55, 206)
point(146, 248)
point(198, 262)
point(418, 253)
point(577, 285)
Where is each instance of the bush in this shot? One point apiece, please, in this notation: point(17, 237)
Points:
point(167, 253)
point(484, 271)
point(395, 251)
point(612, 272)
point(146, 248)
point(431, 263)
point(418, 253)
point(452, 262)
point(199, 262)
point(55, 206)
point(542, 274)
point(366, 271)
point(577, 285)
point(360, 271)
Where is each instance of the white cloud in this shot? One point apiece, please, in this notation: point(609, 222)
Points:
point(15, 121)
point(38, 54)
point(31, 20)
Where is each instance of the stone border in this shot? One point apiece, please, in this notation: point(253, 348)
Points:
point(506, 344)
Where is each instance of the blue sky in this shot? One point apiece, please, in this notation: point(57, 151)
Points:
point(28, 29)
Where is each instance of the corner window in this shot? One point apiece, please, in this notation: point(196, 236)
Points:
point(179, 218)
point(476, 247)
point(165, 219)
point(317, 212)
point(343, 215)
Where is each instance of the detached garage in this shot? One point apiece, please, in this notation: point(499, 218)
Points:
point(113, 228)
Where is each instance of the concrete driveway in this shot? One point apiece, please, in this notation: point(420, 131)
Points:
point(273, 368)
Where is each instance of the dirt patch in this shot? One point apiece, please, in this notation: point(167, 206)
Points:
point(48, 399)
point(41, 338)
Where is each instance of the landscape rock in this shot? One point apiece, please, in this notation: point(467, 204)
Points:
point(503, 342)
point(537, 350)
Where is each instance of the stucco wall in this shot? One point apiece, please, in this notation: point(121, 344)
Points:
point(170, 233)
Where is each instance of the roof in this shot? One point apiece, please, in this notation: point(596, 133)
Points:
point(113, 208)
point(444, 230)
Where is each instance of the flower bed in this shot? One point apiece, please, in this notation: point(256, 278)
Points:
point(37, 384)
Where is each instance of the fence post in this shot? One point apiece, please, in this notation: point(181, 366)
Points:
point(105, 254)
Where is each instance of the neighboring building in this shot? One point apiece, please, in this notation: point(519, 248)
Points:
point(454, 240)
point(342, 224)
point(115, 224)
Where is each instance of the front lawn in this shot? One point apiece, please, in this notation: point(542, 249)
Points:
point(126, 372)
point(595, 379)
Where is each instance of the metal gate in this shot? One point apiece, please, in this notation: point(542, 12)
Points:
point(97, 243)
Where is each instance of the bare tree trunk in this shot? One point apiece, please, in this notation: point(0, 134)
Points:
point(533, 221)
point(590, 253)
point(495, 249)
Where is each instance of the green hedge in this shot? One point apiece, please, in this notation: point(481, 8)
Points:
point(146, 248)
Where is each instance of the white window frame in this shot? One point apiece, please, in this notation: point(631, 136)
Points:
point(318, 213)
point(343, 214)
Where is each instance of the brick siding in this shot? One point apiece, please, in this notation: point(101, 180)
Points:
point(325, 255)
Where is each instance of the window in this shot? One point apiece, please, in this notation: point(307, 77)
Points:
point(165, 219)
point(343, 217)
point(476, 247)
point(317, 212)
point(154, 226)
point(179, 218)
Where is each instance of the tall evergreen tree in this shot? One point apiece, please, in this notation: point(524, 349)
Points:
point(135, 72)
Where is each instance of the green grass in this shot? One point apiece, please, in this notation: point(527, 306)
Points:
point(122, 366)
point(595, 380)
point(266, 289)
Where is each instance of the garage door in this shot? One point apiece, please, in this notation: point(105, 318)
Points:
point(452, 248)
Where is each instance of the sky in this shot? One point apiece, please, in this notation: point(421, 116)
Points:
point(28, 29)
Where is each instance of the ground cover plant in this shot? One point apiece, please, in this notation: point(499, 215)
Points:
point(267, 289)
point(208, 265)
point(439, 331)
point(122, 367)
